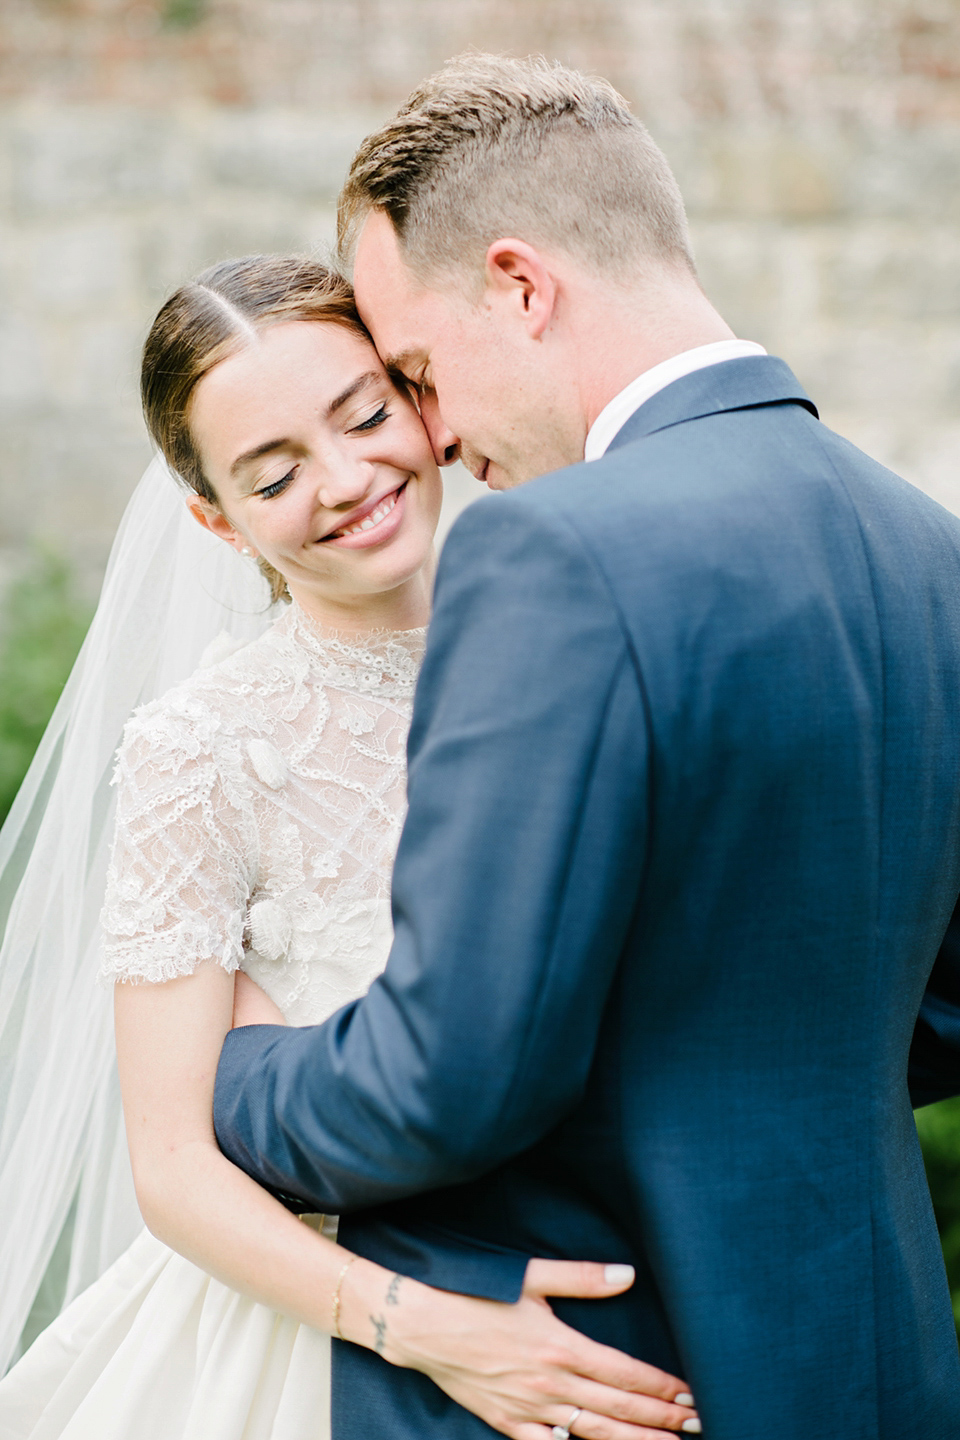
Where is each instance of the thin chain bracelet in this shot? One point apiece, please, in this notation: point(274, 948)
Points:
point(336, 1300)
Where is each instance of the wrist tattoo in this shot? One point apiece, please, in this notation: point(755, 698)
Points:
point(392, 1297)
point(380, 1329)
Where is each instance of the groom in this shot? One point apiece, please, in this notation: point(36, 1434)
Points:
point(684, 831)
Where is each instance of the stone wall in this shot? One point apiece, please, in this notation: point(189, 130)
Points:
point(817, 142)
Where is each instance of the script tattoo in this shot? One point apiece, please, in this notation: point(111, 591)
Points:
point(379, 1323)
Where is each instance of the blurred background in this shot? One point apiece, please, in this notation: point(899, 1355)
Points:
point(817, 143)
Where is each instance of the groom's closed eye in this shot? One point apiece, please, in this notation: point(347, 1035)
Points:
point(410, 367)
point(405, 386)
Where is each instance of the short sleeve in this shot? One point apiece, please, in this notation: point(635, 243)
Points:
point(178, 880)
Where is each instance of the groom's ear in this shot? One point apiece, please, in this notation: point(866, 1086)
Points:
point(519, 278)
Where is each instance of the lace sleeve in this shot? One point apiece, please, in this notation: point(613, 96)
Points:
point(185, 841)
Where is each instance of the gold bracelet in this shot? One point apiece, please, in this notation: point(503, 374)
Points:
point(336, 1300)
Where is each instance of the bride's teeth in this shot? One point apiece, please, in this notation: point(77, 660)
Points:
point(381, 513)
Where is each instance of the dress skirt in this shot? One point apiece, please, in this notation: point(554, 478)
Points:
point(157, 1350)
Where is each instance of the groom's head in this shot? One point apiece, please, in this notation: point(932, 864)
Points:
point(520, 253)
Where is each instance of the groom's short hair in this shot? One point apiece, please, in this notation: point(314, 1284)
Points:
point(491, 146)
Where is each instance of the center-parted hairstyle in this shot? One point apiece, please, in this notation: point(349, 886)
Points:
point(491, 147)
point(214, 316)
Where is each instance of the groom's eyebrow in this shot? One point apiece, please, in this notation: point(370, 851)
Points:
point(402, 363)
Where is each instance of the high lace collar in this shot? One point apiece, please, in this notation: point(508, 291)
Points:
point(384, 661)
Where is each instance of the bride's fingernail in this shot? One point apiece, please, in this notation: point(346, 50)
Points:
point(683, 1399)
point(618, 1274)
point(692, 1427)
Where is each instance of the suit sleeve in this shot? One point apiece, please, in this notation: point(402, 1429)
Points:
point(514, 888)
point(935, 1052)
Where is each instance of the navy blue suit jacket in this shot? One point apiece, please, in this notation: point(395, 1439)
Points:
point(682, 849)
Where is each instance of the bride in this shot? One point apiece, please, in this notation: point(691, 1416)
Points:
point(259, 802)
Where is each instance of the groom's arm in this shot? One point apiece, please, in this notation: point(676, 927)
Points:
point(514, 887)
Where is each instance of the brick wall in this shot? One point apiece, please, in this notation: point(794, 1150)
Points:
point(817, 142)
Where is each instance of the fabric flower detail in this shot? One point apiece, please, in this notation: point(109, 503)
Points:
point(326, 865)
point(270, 930)
point(268, 763)
point(355, 721)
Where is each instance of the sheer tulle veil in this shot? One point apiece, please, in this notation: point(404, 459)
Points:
point(171, 591)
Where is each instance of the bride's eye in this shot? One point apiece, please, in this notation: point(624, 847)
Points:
point(382, 414)
point(277, 487)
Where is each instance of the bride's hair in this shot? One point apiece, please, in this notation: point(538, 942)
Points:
point(212, 317)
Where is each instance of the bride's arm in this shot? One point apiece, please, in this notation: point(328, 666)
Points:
point(517, 1366)
point(191, 1197)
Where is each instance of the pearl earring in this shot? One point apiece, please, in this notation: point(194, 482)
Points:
point(246, 551)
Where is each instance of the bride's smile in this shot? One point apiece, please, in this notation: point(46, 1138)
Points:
point(370, 524)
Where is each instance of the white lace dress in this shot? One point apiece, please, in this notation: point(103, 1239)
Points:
point(259, 809)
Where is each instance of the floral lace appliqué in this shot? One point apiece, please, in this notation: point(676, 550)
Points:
point(260, 804)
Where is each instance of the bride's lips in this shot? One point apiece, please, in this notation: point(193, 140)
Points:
point(388, 510)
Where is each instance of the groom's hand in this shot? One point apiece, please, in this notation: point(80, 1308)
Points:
point(518, 1367)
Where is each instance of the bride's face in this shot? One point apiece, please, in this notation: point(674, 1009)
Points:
point(320, 465)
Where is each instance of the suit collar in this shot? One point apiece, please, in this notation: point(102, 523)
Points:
point(733, 385)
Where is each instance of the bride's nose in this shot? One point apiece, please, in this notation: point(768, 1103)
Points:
point(345, 481)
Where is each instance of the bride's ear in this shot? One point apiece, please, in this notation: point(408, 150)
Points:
point(213, 519)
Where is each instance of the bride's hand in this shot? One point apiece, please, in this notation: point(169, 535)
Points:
point(517, 1366)
point(251, 1005)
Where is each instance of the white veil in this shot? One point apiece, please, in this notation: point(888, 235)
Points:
point(170, 590)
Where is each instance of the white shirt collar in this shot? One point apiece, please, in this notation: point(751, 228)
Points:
point(615, 415)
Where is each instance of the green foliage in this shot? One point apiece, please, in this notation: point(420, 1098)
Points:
point(181, 14)
point(939, 1127)
point(41, 629)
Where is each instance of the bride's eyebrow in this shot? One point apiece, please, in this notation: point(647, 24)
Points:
point(256, 453)
point(369, 377)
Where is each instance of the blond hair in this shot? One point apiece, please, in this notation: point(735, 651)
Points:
point(491, 146)
point(214, 316)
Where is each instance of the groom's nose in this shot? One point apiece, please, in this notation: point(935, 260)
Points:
point(446, 445)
